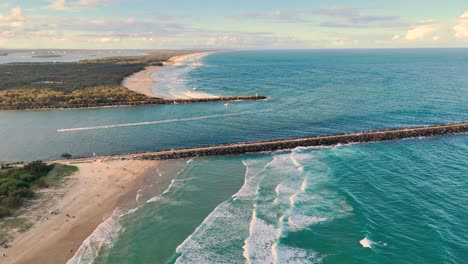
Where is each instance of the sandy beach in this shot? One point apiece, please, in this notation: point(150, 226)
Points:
point(141, 82)
point(93, 193)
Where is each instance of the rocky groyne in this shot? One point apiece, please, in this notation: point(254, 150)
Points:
point(323, 140)
point(149, 101)
point(215, 99)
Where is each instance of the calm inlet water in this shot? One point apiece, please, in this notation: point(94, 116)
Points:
point(406, 199)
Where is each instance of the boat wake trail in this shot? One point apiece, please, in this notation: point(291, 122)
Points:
point(187, 119)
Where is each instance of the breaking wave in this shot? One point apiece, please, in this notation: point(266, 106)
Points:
point(281, 194)
point(172, 83)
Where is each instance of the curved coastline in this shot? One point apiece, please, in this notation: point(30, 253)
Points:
point(100, 189)
point(142, 81)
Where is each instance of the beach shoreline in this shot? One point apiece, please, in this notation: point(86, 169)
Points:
point(142, 81)
point(99, 188)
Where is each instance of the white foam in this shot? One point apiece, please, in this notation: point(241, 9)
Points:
point(246, 247)
point(251, 183)
point(263, 242)
point(295, 162)
point(299, 220)
point(171, 83)
point(304, 185)
point(102, 237)
point(258, 247)
point(226, 225)
point(187, 119)
point(138, 195)
point(272, 202)
point(171, 185)
point(154, 199)
point(223, 227)
point(297, 255)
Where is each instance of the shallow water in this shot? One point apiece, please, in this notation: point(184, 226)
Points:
point(310, 205)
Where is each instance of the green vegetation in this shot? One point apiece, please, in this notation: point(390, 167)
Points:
point(66, 155)
point(35, 98)
point(64, 77)
point(58, 175)
point(87, 83)
point(18, 183)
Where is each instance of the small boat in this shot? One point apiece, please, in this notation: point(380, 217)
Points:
point(3, 54)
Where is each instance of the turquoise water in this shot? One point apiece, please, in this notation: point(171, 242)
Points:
point(311, 92)
point(310, 205)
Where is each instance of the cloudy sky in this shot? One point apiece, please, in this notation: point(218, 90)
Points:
point(239, 24)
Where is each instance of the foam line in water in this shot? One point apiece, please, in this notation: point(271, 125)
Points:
point(295, 162)
point(251, 183)
point(159, 196)
point(186, 119)
point(102, 237)
point(226, 225)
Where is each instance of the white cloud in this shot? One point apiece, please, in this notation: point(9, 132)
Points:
point(59, 5)
point(421, 32)
point(222, 41)
point(64, 5)
point(92, 2)
point(396, 37)
point(461, 29)
point(14, 19)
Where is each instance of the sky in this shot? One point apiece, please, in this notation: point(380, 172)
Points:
point(234, 24)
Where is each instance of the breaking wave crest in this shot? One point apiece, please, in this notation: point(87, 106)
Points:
point(280, 195)
point(101, 239)
point(172, 82)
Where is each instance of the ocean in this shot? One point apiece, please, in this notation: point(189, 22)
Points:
point(390, 202)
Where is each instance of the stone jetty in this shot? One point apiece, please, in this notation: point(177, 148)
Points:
point(323, 140)
point(149, 101)
point(215, 99)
